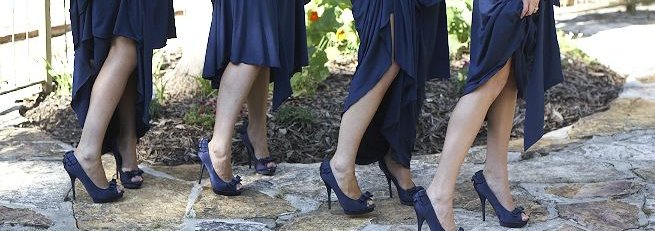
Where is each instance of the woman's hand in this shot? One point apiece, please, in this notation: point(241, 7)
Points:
point(529, 7)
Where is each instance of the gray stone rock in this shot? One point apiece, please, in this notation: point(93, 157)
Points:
point(466, 198)
point(568, 227)
point(623, 115)
point(647, 174)
point(333, 219)
point(647, 79)
point(23, 217)
point(41, 184)
point(159, 204)
point(602, 189)
point(602, 215)
point(29, 144)
point(563, 167)
point(231, 226)
point(251, 204)
point(187, 172)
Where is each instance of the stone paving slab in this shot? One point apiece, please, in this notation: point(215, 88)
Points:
point(591, 185)
point(32, 181)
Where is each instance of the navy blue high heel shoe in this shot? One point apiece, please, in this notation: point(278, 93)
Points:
point(261, 165)
point(351, 207)
point(406, 196)
point(127, 176)
point(425, 212)
point(219, 186)
point(97, 194)
point(509, 219)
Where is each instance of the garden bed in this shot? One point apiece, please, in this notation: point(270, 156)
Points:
point(305, 129)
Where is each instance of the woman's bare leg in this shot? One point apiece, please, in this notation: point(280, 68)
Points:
point(463, 127)
point(235, 86)
point(127, 133)
point(500, 119)
point(257, 101)
point(353, 125)
point(107, 90)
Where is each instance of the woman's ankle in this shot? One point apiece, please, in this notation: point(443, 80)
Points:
point(86, 156)
point(219, 150)
point(402, 174)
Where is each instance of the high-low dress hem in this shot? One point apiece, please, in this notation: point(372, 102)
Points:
point(499, 34)
point(94, 25)
point(421, 51)
point(272, 35)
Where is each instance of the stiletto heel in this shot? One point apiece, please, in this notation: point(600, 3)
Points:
point(350, 206)
point(219, 186)
point(483, 203)
point(202, 171)
point(261, 165)
point(389, 184)
point(420, 221)
point(425, 212)
point(126, 176)
point(329, 195)
point(72, 185)
point(249, 159)
point(506, 218)
point(98, 195)
point(406, 197)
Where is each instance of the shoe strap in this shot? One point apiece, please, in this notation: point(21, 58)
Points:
point(131, 174)
point(235, 181)
point(518, 211)
point(264, 162)
point(365, 197)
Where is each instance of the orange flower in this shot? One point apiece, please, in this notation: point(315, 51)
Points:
point(313, 16)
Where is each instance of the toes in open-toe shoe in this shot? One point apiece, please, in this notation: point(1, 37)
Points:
point(127, 177)
point(406, 197)
point(261, 165)
point(97, 194)
point(350, 206)
point(220, 187)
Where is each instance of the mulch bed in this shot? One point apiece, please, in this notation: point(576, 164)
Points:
point(588, 88)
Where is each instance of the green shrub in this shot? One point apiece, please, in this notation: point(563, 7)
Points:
point(198, 117)
point(459, 15)
point(62, 77)
point(158, 77)
point(292, 114)
point(206, 89)
point(155, 108)
point(330, 34)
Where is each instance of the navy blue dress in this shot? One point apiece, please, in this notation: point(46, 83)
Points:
point(268, 33)
point(94, 24)
point(498, 34)
point(421, 50)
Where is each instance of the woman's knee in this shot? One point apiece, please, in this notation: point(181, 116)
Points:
point(124, 45)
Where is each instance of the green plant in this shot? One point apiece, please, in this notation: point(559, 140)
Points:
point(459, 15)
point(330, 34)
point(62, 77)
point(292, 114)
point(155, 108)
point(159, 81)
point(206, 89)
point(198, 117)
